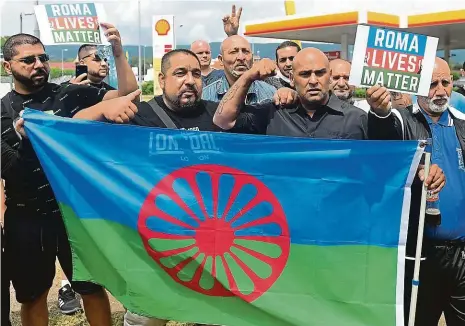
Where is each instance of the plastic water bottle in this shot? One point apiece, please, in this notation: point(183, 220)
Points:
point(432, 214)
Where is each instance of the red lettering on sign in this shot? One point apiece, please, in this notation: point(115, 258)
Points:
point(395, 61)
point(74, 23)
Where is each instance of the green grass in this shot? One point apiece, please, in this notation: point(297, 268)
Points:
point(79, 319)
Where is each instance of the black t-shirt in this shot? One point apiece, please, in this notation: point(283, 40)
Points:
point(103, 86)
point(25, 183)
point(335, 120)
point(199, 118)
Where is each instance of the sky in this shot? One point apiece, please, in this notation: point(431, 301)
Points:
point(202, 19)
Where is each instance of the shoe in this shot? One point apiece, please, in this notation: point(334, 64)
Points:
point(68, 301)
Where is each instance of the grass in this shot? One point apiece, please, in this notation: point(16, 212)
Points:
point(78, 319)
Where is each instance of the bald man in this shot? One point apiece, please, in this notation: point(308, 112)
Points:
point(316, 114)
point(203, 51)
point(442, 276)
point(236, 57)
point(339, 82)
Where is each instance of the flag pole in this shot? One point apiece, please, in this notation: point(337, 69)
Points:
point(421, 227)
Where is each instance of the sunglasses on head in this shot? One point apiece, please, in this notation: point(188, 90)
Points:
point(32, 59)
point(96, 57)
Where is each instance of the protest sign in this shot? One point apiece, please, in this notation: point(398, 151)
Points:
point(400, 61)
point(70, 23)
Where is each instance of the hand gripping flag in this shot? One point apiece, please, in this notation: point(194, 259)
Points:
point(235, 230)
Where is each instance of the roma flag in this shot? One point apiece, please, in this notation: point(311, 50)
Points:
point(235, 230)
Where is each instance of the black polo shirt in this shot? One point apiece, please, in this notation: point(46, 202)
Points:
point(335, 120)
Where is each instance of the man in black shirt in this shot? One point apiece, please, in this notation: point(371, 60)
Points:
point(97, 67)
point(317, 114)
point(181, 82)
point(34, 231)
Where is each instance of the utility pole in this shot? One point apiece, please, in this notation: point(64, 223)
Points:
point(36, 27)
point(140, 50)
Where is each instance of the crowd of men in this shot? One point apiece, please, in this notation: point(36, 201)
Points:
point(300, 93)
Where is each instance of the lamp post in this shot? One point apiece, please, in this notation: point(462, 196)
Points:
point(36, 26)
point(175, 34)
point(144, 68)
point(140, 54)
point(62, 61)
point(21, 15)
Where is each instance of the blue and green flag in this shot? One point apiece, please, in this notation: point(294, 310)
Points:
point(232, 229)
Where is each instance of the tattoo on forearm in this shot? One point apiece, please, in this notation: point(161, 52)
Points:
point(228, 97)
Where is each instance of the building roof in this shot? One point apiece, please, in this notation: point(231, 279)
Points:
point(328, 28)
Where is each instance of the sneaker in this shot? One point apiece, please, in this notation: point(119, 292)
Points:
point(68, 302)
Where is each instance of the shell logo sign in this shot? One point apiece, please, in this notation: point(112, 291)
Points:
point(162, 27)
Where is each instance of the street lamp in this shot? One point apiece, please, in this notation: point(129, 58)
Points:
point(21, 15)
point(140, 41)
point(36, 26)
point(144, 68)
point(175, 34)
point(62, 61)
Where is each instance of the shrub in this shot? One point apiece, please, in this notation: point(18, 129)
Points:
point(56, 72)
point(360, 92)
point(147, 88)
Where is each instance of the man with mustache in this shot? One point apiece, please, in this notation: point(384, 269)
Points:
point(181, 83)
point(97, 67)
point(339, 82)
point(442, 276)
point(179, 107)
point(236, 56)
point(34, 230)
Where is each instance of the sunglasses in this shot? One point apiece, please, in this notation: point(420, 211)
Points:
point(29, 60)
point(96, 57)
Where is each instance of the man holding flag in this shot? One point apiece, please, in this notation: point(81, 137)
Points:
point(442, 276)
point(34, 231)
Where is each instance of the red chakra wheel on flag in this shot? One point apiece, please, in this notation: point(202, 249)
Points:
point(216, 230)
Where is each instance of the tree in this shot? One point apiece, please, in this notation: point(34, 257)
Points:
point(3, 40)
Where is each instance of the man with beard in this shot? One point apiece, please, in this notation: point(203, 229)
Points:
point(442, 277)
point(285, 54)
point(181, 83)
point(179, 107)
point(97, 67)
point(203, 51)
point(236, 56)
point(339, 81)
point(34, 230)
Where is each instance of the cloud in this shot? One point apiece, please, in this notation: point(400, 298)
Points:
point(202, 19)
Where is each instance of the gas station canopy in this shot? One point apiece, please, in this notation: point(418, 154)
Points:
point(340, 28)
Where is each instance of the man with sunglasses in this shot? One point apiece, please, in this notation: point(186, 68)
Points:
point(35, 234)
point(97, 67)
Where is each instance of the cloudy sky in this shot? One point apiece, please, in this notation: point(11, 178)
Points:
point(202, 19)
